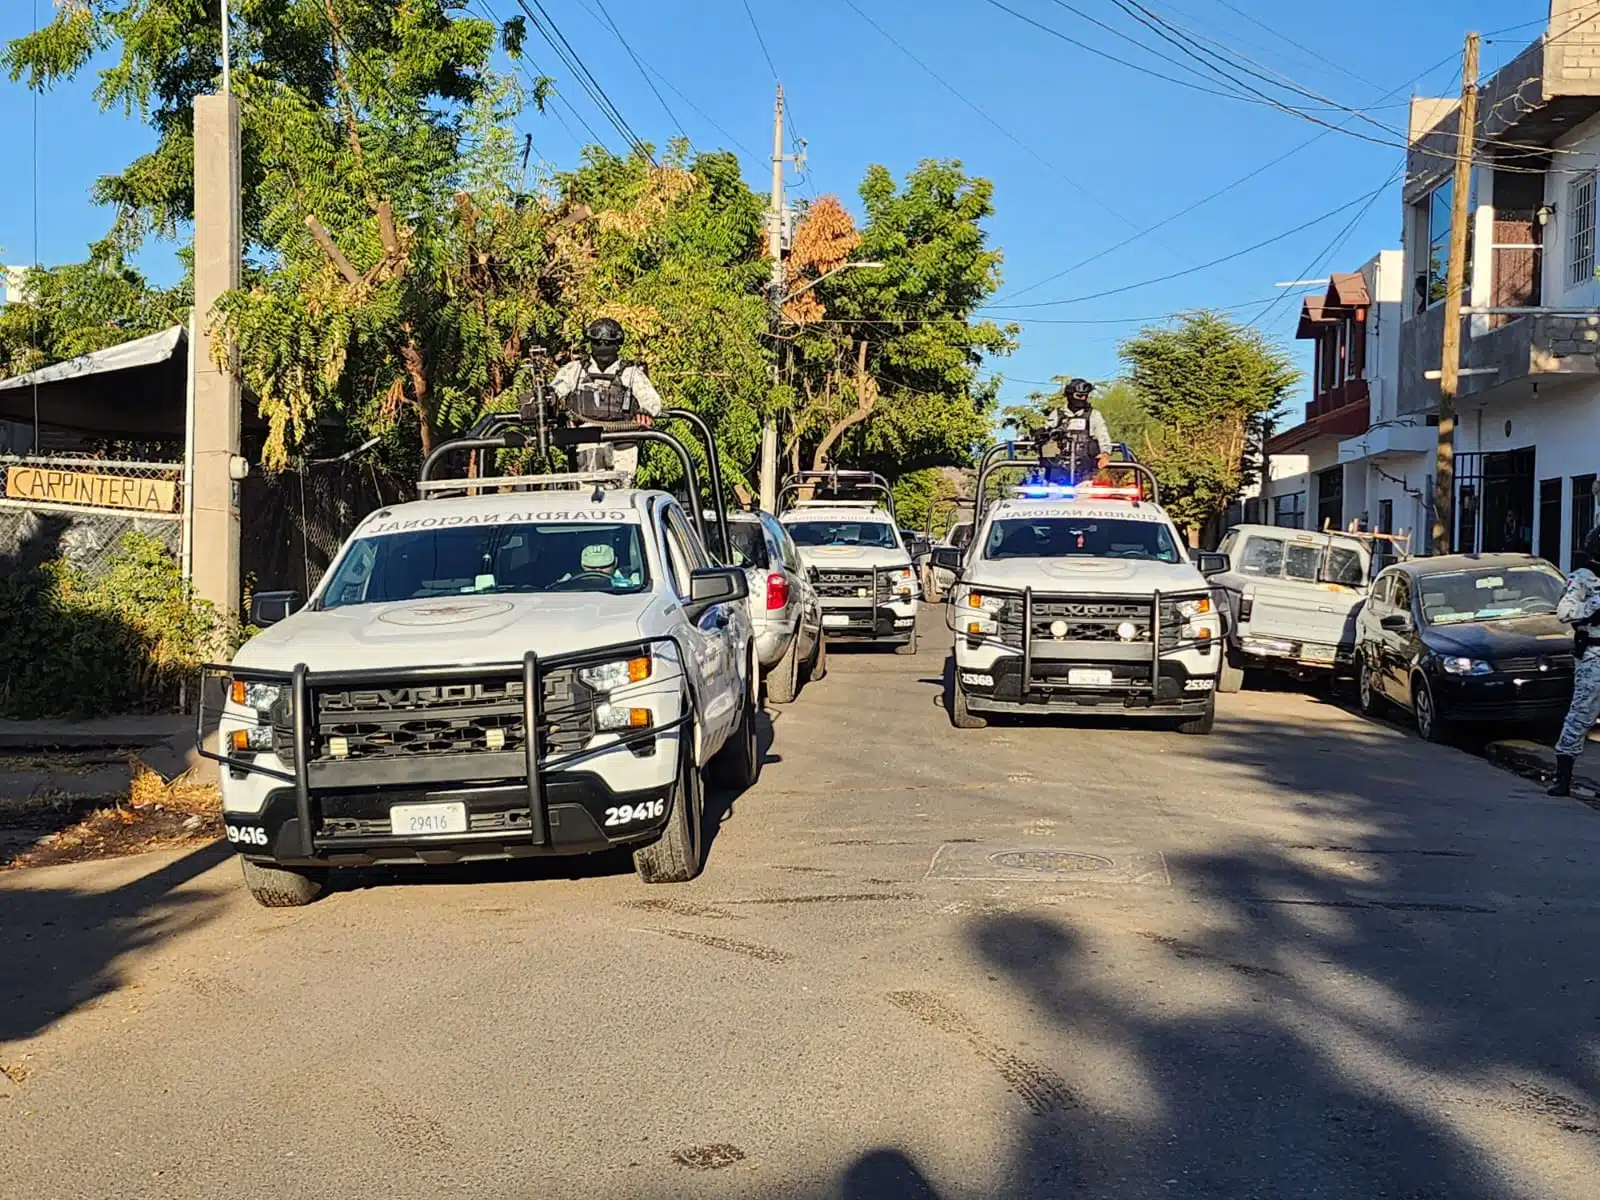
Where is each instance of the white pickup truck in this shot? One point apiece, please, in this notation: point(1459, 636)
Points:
point(1082, 601)
point(493, 676)
point(858, 562)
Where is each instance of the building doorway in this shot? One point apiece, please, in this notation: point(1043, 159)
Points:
point(1550, 520)
point(1495, 502)
point(1330, 498)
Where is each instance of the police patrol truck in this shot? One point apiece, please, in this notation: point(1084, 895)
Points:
point(544, 668)
point(1082, 599)
point(843, 523)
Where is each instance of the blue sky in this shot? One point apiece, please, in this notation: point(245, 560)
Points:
point(1083, 151)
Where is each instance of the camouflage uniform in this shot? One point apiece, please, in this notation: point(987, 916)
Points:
point(1578, 606)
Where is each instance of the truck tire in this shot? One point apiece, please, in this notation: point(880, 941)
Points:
point(908, 647)
point(1203, 723)
point(279, 887)
point(675, 856)
point(961, 716)
point(1232, 678)
point(738, 764)
point(783, 681)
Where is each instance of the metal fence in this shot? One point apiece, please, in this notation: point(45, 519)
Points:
point(292, 524)
point(80, 509)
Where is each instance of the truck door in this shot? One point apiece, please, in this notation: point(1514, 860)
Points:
point(712, 632)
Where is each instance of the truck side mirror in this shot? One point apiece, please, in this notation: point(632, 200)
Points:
point(1211, 563)
point(268, 608)
point(948, 558)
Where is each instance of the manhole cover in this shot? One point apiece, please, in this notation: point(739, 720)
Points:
point(1054, 861)
point(1113, 864)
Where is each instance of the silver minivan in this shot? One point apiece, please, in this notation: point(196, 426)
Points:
point(1292, 597)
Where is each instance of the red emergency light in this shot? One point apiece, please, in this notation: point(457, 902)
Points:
point(1106, 492)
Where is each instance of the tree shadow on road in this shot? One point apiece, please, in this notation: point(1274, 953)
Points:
point(62, 948)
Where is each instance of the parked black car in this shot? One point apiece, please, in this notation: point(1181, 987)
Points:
point(1465, 638)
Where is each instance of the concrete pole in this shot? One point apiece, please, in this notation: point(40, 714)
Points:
point(769, 433)
point(1444, 478)
point(217, 249)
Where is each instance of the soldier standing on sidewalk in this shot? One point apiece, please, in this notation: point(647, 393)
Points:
point(1580, 607)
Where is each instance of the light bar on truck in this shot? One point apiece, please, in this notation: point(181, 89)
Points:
point(1092, 491)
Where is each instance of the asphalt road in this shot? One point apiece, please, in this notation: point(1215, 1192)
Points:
point(1308, 956)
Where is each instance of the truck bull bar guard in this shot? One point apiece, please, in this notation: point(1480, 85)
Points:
point(532, 669)
point(1013, 626)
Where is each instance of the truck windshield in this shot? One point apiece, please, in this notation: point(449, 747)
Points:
point(489, 559)
point(1455, 597)
point(1068, 537)
point(1303, 560)
point(878, 535)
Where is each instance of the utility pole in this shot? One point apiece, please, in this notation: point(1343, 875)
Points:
point(1444, 477)
point(213, 502)
point(769, 432)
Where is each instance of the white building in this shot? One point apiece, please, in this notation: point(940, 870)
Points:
point(1355, 457)
point(1527, 445)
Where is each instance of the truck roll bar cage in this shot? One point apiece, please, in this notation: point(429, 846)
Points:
point(1005, 455)
point(837, 481)
point(509, 431)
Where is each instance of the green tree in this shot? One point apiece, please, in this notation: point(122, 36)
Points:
point(78, 308)
point(1209, 389)
point(885, 372)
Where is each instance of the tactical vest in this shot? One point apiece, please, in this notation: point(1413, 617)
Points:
point(1070, 444)
point(602, 397)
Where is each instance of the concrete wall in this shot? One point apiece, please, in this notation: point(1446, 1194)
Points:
point(1562, 424)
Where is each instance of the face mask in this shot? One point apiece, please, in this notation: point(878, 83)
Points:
point(604, 354)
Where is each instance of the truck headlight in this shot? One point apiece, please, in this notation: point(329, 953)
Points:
point(902, 581)
point(986, 604)
point(611, 717)
point(1465, 666)
point(256, 737)
point(258, 696)
point(605, 677)
point(1189, 609)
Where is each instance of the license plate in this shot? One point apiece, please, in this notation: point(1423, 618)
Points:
point(414, 820)
point(835, 620)
point(1320, 654)
point(1082, 677)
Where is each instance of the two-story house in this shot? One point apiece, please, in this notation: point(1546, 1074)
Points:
point(1354, 457)
point(1527, 443)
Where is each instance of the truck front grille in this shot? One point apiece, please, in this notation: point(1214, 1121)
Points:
point(413, 719)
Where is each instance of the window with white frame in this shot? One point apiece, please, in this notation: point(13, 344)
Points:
point(1580, 230)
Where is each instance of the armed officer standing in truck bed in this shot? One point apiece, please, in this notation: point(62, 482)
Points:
point(607, 392)
point(1076, 441)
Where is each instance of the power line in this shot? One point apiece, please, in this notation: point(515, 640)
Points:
point(1116, 291)
point(1289, 41)
point(761, 41)
point(1337, 244)
point(563, 48)
point(643, 74)
point(1240, 181)
point(1006, 133)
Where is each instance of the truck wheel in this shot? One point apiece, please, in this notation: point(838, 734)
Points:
point(738, 764)
point(961, 716)
point(1203, 723)
point(279, 887)
point(783, 681)
point(1232, 677)
point(675, 857)
point(908, 647)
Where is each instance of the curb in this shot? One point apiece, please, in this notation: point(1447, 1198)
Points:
point(109, 735)
point(1534, 760)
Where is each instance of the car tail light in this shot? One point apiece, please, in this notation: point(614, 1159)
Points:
point(1247, 605)
point(777, 591)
